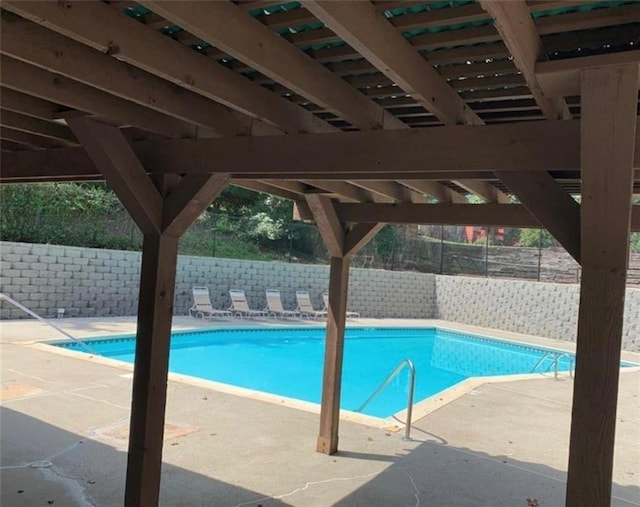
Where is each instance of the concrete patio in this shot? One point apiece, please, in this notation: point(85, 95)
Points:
point(65, 421)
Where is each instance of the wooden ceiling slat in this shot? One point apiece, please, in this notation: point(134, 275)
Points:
point(95, 23)
point(261, 186)
point(30, 139)
point(358, 24)
point(392, 190)
point(26, 78)
point(8, 146)
point(43, 128)
point(25, 41)
point(12, 100)
point(516, 92)
point(347, 190)
point(545, 25)
point(228, 28)
point(518, 31)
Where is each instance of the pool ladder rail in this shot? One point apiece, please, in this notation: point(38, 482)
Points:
point(4, 297)
point(555, 360)
point(405, 363)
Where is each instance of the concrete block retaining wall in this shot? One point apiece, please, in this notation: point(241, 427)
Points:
point(537, 308)
point(89, 282)
point(96, 283)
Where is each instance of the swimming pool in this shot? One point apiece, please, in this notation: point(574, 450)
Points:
point(289, 362)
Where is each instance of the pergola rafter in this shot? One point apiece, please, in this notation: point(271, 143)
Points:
point(361, 113)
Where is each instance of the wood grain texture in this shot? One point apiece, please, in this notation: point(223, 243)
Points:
point(333, 354)
point(609, 98)
point(155, 312)
point(110, 152)
point(329, 225)
point(550, 204)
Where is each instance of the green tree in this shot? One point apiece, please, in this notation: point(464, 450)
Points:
point(536, 237)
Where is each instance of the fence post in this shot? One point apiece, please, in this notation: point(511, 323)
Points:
point(215, 220)
point(486, 254)
point(539, 252)
point(441, 249)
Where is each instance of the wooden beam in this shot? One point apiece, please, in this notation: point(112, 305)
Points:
point(609, 102)
point(549, 203)
point(439, 192)
point(22, 103)
point(518, 31)
point(7, 145)
point(109, 31)
point(329, 225)
point(482, 189)
point(561, 78)
point(37, 126)
point(537, 146)
point(265, 188)
point(419, 154)
point(189, 199)
point(228, 28)
point(345, 189)
point(26, 78)
point(333, 354)
point(392, 190)
point(301, 211)
point(110, 152)
point(38, 46)
point(358, 237)
point(30, 139)
point(442, 41)
point(290, 186)
point(508, 215)
point(360, 26)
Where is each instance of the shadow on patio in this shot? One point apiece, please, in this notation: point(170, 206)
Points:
point(45, 465)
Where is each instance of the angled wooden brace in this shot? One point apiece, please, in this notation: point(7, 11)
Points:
point(153, 213)
point(550, 204)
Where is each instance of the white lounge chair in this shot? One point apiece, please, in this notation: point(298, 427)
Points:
point(350, 315)
point(305, 308)
point(275, 308)
point(202, 305)
point(240, 307)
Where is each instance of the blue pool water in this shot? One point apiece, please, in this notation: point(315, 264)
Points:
point(288, 362)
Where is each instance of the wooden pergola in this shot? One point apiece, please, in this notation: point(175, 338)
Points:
point(362, 113)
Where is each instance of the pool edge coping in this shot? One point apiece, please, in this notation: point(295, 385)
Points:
point(394, 422)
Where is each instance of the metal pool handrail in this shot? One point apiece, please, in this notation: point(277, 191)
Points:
point(36, 316)
point(556, 356)
point(405, 363)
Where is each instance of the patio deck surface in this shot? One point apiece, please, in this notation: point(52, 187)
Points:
point(64, 423)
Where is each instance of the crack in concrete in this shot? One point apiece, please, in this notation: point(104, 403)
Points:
point(415, 487)
point(307, 486)
point(51, 472)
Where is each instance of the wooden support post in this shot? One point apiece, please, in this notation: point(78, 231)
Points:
point(155, 311)
point(333, 351)
point(342, 245)
point(163, 208)
point(609, 97)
